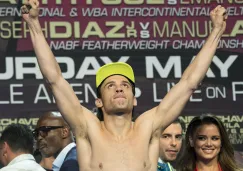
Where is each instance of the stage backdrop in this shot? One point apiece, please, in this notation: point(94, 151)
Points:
point(157, 38)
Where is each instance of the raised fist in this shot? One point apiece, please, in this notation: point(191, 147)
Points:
point(218, 16)
point(30, 9)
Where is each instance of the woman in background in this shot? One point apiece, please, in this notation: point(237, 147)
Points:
point(208, 147)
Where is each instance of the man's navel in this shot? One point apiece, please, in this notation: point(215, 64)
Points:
point(101, 166)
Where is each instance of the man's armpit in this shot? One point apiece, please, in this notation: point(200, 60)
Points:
point(80, 131)
point(155, 136)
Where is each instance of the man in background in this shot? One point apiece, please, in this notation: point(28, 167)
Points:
point(170, 145)
point(54, 138)
point(16, 148)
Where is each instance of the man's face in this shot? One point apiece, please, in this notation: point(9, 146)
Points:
point(170, 142)
point(116, 95)
point(50, 142)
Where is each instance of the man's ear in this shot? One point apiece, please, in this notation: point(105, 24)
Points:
point(5, 148)
point(135, 102)
point(98, 103)
point(65, 132)
point(191, 141)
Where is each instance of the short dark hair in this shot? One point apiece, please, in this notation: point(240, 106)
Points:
point(176, 121)
point(179, 121)
point(18, 137)
point(99, 114)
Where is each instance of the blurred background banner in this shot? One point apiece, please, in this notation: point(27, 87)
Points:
point(157, 38)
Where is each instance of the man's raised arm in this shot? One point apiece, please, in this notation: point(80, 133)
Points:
point(174, 102)
point(67, 102)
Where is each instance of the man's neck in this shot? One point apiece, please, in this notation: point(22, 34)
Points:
point(47, 162)
point(118, 126)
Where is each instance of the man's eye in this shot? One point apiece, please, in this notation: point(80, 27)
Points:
point(125, 85)
point(110, 85)
point(165, 136)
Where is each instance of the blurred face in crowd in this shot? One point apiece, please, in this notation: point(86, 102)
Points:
point(170, 142)
point(49, 136)
point(206, 142)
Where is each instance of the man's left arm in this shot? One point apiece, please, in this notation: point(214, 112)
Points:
point(173, 103)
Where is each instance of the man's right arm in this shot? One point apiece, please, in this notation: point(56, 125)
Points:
point(66, 100)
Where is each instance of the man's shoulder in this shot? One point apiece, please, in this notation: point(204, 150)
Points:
point(70, 161)
point(21, 166)
point(70, 165)
point(68, 153)
point(72, 154)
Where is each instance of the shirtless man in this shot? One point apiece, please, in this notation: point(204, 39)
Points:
point(117, 143)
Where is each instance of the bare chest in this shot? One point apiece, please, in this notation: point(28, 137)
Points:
point(127, 155)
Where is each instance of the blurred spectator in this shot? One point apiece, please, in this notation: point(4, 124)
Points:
point(54, 138)
point(170, 146)
point(16, 148)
